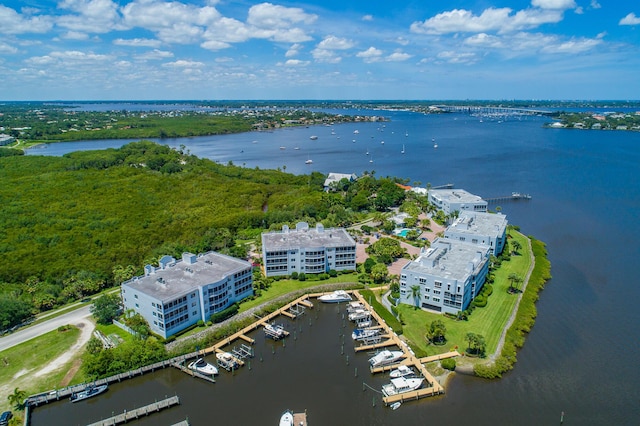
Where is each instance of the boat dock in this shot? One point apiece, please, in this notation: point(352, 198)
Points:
point(434, 388)
point(300, 419)
point(138, 412)
point(513, 196)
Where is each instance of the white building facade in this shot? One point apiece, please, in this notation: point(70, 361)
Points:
point(480, 228)
point(451, 200)
point(178, 294)
point(307, 250)
point(446, 277)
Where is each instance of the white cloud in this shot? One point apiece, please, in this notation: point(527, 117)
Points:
point(91, 16)
point(630, 19)
point(370, 55)
point(484, 40)
point(595, 5)
point(457, 58)
point(75, 35)
point(572, 46)
point(214, 45)
point(499, 20)
point(294, 50)
point(294, 63)
point(223, 59)
point(154, 55)
point(367, 18)
point(323, 55)
point(335, 43)
point(137, 42)
point(398, 57)
point(183, 64)
point(554, 4)
point(7, 49)
point(278, 23)
point(13, 23)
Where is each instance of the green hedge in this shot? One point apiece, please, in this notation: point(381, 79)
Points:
point(448, 363)
point(227, 313)
point(387, 316)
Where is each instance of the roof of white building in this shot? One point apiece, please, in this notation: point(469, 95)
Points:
point(455, 196)
point(305, 237)
point(449, 259)
point(337, 177)
point(479, 223)
point(177, 278)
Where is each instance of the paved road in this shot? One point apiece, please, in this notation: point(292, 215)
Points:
point(29, 333)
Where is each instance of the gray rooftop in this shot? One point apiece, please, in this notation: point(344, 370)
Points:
point(449, 259)
point(183, 276)
point(455, 196)
point(306, 237)
point(479, 223)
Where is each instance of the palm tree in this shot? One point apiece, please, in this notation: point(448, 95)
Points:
point(415, 293)
point(17, 399)
point(513, 278)
point(516, 246)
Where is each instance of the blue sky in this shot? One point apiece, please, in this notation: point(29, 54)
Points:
point(319, 49)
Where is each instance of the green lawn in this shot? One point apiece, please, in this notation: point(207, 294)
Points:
point(279, 288)
point(488, 321)
point(18, 364)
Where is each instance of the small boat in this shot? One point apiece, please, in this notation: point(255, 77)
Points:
point(203, 367)
point(371, 159)
point(402, 152)
point(359, 314)
point(364, 333)
point(406, 134)
point(395, 405)
point(354, 306)
point(227, 360)
point(355, 132)
point(335, 297)
point(283, 147)
point(287, 418)
point(275, 331)
point(364, 322)
point(435, 144)
point(401, 371)
point(88, 392)
point(308, 162)
point(402, 385)
point(313, 138)
point(382, 142)
point(385, 357)
point(296, 148)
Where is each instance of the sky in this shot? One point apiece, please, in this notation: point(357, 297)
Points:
point(319, 49)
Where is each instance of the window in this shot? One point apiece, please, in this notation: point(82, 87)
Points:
point(137, 306)
point(135, 295)
point(437, 284)
point(436, 299)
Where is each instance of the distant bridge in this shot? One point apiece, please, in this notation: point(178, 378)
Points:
point(470, 109)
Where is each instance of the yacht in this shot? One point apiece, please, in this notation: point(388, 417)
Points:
point(88, 392)
point(402, 385)
point(203, 367)
point(287, 418)
point(364, 333)
point(227, 360)
point(385, 357)
point(313, 138)
point(359, 314)
point(401, 371)
point(354, 306)
point(335, 297)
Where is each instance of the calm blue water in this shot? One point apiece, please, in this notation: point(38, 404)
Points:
point(580, 356)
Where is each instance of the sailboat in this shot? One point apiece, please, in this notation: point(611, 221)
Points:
point(309, 160)
point(406, 134)
point(435, 144)
point(371, 159)
point(402, 152)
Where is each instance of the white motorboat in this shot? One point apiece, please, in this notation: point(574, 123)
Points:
point(401, 371)
point(354, 306)
point(364, 333)
point(335, 297)
point(402, 385)
point(364, 322)
point(402, 152)
point(88, 392)
point(287, 418)
point(227, 360)
point(203, 367)
point(275, 331)
point(385, 357)
point(359, 314)
point(313, 138)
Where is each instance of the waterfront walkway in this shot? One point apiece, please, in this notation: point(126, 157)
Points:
point(138, 412)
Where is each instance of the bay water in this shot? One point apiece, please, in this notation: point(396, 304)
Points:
point(580, 357)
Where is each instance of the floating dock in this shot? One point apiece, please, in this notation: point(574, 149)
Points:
point(138, 412)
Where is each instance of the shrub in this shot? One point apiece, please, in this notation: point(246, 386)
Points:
point(333, 273)
point(480, 301)
point(449, 364)
point(294, 275)
point(200, 323)
point(302, 276)
point(323, 276)
point(227, 313)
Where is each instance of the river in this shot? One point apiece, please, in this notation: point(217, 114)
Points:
point(579, 357)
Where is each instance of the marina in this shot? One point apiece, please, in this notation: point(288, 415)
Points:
point(144, 411)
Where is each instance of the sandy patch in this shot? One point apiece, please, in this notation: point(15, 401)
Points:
point(20, 373)
point(86, 329)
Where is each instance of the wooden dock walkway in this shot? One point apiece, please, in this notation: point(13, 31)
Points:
point(434, 388)
point(300, 419)
point(138, 412)
point(194, 373)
